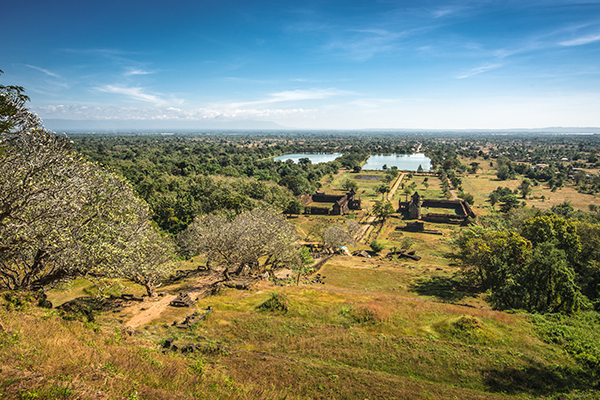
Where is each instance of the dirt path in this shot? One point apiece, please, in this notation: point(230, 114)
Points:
point(154, 308)
point(390, 195)
point(152, 312)
point(368, 225)
point(341, 171)
point(454, 196)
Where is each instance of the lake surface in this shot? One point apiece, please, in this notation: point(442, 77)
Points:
point(314, 158)
point(408, 162)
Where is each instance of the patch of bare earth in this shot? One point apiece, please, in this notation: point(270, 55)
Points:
point(146, 312)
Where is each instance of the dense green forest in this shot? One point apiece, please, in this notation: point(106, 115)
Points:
point(184, 176)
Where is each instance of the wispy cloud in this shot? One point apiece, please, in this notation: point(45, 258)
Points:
point(137, 71)
point(45, 71)
point(99, 52)
point(581, 40)
point(374, 103)
point(294, 95)
point(479, 70)
point(306, 80)
point(365, 43)
point(136, 93)
point(247, 80)
point(442, 12)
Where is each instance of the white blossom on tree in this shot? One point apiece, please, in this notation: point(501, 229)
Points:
point(60, 216)
point(336, 236)
point(253, 236)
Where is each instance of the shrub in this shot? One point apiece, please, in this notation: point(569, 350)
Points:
point(464, 328)
point(467, 324)
point(370, 313)
point(276, 302)
point(376, 246)
point(407, 243)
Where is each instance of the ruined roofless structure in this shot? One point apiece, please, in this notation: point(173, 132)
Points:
point(341, 204)
point(414, 207)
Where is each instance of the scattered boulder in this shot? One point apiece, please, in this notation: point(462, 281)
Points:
point(129, 330)
point(190, 348)
point(132, 297)
point(193, 319)
point(318, 278)
point(182, 300)
point(237, 285)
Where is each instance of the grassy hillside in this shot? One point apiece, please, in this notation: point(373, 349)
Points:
point(358, 328)
point(374, 329)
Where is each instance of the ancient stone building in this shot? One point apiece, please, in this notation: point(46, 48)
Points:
point(341, 204)
point(415, 206)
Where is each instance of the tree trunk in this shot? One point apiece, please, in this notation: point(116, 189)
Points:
point(226, 274)
point(149, 289)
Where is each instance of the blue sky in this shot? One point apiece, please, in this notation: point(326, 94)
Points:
point(310, 65)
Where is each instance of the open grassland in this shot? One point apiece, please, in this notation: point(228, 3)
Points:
point(579, 201)
point(485, 181)
point(375, 329)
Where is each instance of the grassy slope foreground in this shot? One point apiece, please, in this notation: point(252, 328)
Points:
point(333, 342)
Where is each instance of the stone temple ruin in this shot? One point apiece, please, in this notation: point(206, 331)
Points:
point(342, 204)
point(414, 207)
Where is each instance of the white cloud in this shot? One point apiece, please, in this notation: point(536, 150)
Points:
point(442, 12)
point(137, 71)
point(480, 70)
point(375, 103)
point(136, 93)
point(581, 40)
point(294, 95)
point(52, 74)
point(311, 94)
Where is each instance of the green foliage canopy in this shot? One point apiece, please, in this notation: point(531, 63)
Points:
point(60, 216)
point(519, 273)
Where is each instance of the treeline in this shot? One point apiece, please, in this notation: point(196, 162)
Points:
point(182, 177)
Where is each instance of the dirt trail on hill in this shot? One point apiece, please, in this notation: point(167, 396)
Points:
point(364, 230)
point(154, 308)
point(153, 311)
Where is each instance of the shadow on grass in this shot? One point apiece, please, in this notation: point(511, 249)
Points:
point(446, 288)
point(540, 380)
